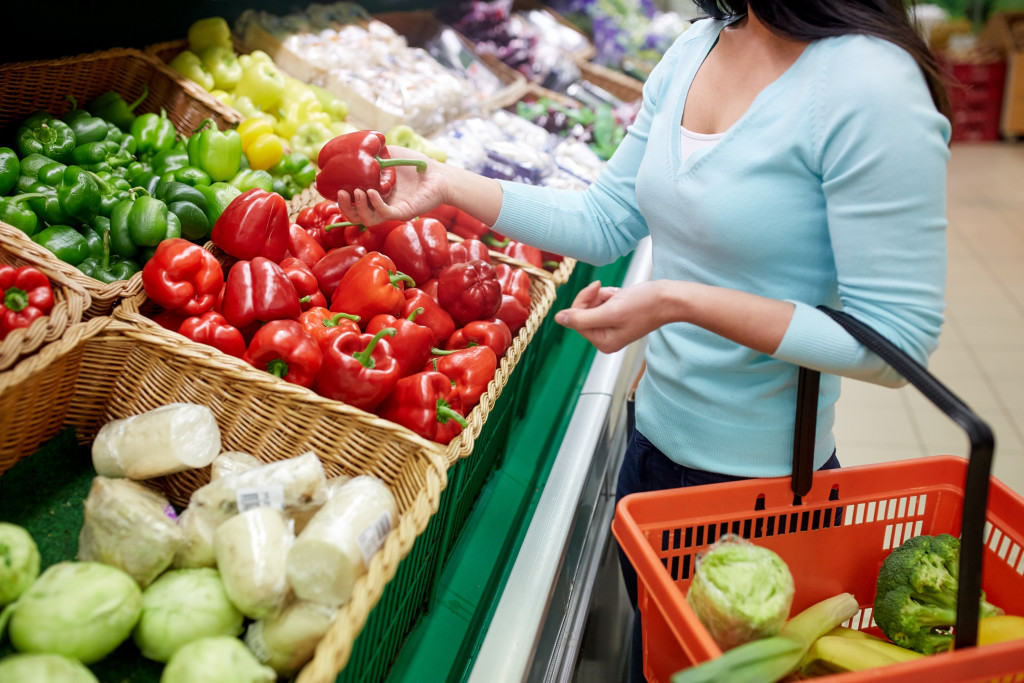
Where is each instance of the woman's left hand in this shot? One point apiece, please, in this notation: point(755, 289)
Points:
point(611, 318)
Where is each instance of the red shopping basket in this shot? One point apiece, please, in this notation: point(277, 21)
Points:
point(834, 534)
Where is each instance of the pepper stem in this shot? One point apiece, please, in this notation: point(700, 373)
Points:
point(550, 264)
point(397, 277)
point(442, 352)
point(204, 124)
point(74, 103)
point(421, 166)
point(277, 368)
point(15, 299)
point(445, 413)
point(366, 355)
point(105, 261)
point(412, 316)
point(306, 299)
point(337, 318)
point(493, 242)
point(24, 197)
point(142, 97)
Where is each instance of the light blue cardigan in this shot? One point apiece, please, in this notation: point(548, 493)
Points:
point(829, 190)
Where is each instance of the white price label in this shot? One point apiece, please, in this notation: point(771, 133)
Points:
point(372, 537)
point(260, 497)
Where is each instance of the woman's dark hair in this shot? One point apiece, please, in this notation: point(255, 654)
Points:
point(813, 19)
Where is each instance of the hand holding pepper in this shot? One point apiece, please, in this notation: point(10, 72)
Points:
point(359, 160)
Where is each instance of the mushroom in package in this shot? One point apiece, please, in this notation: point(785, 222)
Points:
point(165, 440)
point(127, 526)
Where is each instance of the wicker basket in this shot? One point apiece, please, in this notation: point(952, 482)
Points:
point(35, 394)
point(70, 301)
point(625, 88)
point(30, 86)
point(127, 370)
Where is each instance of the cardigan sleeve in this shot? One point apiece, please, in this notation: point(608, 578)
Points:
point(883, 151)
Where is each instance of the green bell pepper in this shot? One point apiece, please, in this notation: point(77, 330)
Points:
point(218, 196)
point(262, 82)
point(87, 128)
point(30, 165)
point(64, 242)
point(189, 175)
point(79, 194)
point(219, 153)
point(106, 268)
point(10, 169)
point(43, 134)
point(13, 211)
point(147, 180)
point(189, 65)
point(51, 174)
point(47, 207)
point(222, 64)
point(189, 205)
point(112, 107)
point(250, 180)
point(153, 133)
point(94, 152)
point(292, 174)
point(145, 223)
point(169, 159)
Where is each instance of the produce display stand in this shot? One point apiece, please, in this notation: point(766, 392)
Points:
point(834, 534)
point(45, 84)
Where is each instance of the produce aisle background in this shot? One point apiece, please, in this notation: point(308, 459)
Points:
point(981, 352)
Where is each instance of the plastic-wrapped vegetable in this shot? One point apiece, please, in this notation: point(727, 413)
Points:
point(286, 641)
point(83, 610)
point(181, 606)
point(19, 561)
point(50, 668)
point(232, 462)
point(251, 548)
point(336, 546)
point(165, 440)
point(196, 548)
point(740, 591)
point(216, 660)
point(127, 526)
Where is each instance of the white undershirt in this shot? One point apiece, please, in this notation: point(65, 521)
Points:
point(690, 142)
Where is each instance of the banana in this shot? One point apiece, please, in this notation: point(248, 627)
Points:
point(833, 654)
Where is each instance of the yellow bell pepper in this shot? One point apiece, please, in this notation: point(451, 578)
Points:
point(265, 151)
point(299, 113)
point(252, 129)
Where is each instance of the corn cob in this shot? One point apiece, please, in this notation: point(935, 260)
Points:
point(770, 659)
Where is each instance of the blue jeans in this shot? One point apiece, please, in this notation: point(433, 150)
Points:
point(645, 468)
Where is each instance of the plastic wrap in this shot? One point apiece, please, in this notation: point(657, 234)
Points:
point(165, 440)
point(251, 548)
point(336, 546)
point(286, 641)
point(127, 526)
point(232, 462)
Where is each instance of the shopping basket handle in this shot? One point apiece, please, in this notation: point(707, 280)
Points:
point(979, 467)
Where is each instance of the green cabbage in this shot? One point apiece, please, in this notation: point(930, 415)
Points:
point(82, 610)
point(216, 660)
point(740, 592)
point(19, 561)
point(181, 606)
point(45, 667)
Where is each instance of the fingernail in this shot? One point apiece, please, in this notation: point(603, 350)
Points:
point(562, 318)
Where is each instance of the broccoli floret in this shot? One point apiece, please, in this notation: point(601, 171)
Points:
point(915, 595)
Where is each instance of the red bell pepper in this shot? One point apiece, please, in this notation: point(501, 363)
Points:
point(469, 291)
point(411, 343)
point(370, 237)
point(255, 223)
point(430, 289)
point(305, 282)
point(493, 333)
point(428, 404)
point(359, 369)
point(359, 160)
point(213, 329)
point(25, 296)
point(469, 250)
point(259, 290)
point(524, 252)
point(551, 260)
point(170, 320)
point(370, 287)
point(433, 316)
point(303, 246)
point(183, 277)
point(323, 222)
point(515, 296)
point(331, 268)
point(460, 223)
point(285, 350)
point(419, 248)
point(324, 325)
point(472, 370)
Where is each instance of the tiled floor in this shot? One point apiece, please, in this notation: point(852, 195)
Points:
point(981, 352)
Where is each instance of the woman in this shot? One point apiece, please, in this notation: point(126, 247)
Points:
point(787, 155)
